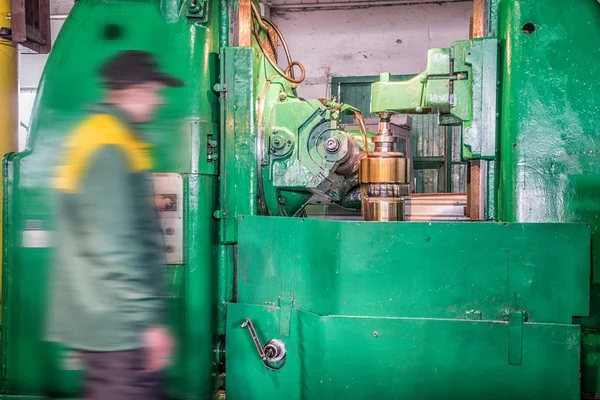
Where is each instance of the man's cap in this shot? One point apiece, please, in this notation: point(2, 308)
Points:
point(134, 67)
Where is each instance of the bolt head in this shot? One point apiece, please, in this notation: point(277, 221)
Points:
point(332, 145)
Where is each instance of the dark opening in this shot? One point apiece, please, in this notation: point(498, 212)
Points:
point(113, 32)
point(528, 28)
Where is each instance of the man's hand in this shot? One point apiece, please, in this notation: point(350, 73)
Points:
point(159, 348)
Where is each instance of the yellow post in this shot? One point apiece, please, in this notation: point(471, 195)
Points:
point(9, 97)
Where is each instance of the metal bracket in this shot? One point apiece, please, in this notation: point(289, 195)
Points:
point(285, 316)
point(198, 9)
point(515, 337)
point(220, 87)
point(220, 214)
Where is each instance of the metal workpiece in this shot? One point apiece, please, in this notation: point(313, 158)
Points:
point(332, 145)
point(384, 177)
point(349, 164)
point(384, 168)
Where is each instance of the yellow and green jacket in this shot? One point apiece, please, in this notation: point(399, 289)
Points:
point(107, 283)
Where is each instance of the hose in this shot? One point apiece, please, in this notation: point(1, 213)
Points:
point(288, 74)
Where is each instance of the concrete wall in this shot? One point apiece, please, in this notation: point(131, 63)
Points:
point(368, 41)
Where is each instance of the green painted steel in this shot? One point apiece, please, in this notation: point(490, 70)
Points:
point(549, 127)
point(331, 357)
point(432, 304)
point(181, 137)
point(445, 85)
point(455, 269)
point(460, 84)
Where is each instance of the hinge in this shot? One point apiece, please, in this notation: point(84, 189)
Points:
point(211, 145)
point(515, 336)
point(285, 315)
point(220, 214)
point(220, 87)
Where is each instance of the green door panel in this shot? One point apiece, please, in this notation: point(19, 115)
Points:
point(339, 357)
point(433, 270)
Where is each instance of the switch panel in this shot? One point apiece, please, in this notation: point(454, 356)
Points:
point(168, 189)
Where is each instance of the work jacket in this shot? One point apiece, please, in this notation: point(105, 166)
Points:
point(107, 280)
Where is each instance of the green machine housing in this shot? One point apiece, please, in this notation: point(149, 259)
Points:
point(269, 304)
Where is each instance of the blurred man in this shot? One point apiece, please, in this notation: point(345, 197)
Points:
point(108, 293)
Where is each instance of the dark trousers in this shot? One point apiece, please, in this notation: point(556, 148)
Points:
point(120, 375)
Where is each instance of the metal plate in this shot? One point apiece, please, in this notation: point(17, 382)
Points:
point(358, 358)
point(416, 269)
point(170, 186)
point(436, 207)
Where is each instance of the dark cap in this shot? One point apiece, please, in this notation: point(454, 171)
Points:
point(133, 67)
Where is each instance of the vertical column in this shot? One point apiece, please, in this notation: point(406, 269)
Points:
point(475, 179)
point(9, 92)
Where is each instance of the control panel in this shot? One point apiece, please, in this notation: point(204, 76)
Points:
point(168, 189)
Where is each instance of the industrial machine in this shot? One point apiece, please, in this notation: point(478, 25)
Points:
point(268, 304)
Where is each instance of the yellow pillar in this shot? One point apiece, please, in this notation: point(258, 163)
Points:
point(9, 96)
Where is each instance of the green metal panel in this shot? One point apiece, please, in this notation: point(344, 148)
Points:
point(335, 357)
point(549, 122)
point(238, 193)
point(409, 310)
point(460, 84)
point(549, 166)
point(479, 139)
point(454, 269)
point(431, 89)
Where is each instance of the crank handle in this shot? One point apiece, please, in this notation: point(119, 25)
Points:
point(273, 354)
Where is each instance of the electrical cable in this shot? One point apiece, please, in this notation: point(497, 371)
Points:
point(288, 73)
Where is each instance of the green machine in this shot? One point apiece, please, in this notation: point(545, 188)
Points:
point(267, 303)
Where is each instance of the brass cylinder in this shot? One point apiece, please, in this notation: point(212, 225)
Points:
point(377, 169)
point(384, 183)
point(382, 209)
point(384, 177)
